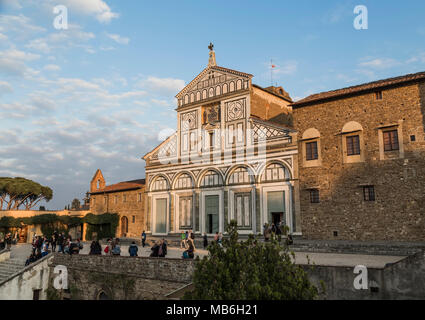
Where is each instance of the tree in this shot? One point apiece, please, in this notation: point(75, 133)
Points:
point(17, 192)
point(75, 205)
point(249, 270)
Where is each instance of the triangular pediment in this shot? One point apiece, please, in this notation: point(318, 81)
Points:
point(211, 77)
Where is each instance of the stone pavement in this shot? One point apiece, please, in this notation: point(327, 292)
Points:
point(22, 251)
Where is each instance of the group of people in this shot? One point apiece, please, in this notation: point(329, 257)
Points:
point(159, 249)
point(6, 241)
point(42, 245)
point(275, 230)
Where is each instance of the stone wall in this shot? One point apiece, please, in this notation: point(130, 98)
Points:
point(404, 280)
point(23, 284)
point(124, 277)
point(398, 212)
point(132, 208)
point(267, 106)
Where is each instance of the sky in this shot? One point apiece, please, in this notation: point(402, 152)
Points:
point(101, 93)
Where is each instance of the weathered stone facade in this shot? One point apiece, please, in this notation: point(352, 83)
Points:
point(125, 198)
point(397, 176)
point(123, 278)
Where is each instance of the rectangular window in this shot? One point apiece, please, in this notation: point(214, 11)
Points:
point(311, 151)
point(104, 200)
point(185, 214)
point(378, 95)
point(124, 198)
point(369, 193)
point(140, 197)
point(134, 219)
point(353, 145)
point(314, 196)
point(391, 140)
point(243, 209)
point(116, 199)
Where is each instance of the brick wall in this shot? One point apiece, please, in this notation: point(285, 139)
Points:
point(398, 212)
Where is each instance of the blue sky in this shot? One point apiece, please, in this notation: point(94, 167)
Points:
point(99, 94)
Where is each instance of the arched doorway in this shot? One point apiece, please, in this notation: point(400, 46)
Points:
point(124, 226)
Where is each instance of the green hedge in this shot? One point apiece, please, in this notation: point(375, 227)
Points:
point(106, 223)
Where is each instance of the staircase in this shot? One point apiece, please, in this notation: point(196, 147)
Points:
point(10, 267)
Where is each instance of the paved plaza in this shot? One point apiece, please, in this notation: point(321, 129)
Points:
point(22, 251)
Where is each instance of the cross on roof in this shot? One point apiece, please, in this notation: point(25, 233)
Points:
point(211, 46)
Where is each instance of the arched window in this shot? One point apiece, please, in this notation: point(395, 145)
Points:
point(232, 86)
point(184, 181)
point(240, 176)
point(211, 179)
point(275, 172)
point(217, 90)
point(159, 184)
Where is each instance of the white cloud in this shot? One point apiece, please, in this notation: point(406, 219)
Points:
point(118, 39)
point(379, 63)
point(64, 39)
point(19, 24)
point(3, 36)
point(52, 67)
point(13, 62)
point(288, 67)
point(164, 86)
point(97, 8)
point(5, 88)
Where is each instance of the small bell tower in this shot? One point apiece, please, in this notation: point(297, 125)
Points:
point(211, 60)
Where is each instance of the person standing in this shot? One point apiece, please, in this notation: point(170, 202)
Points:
point(116, 250)
point(61, 238)
point(8, 241)
point(54, 241)
point(205, 240)
point(133, 249)
point(143, 238)
point(183, 240)
point(45, 248)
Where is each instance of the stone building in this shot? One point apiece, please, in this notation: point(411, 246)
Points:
point(362, 161)
point(124, 198)
point(233, 156)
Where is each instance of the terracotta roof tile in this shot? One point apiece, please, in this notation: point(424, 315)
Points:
point(360, 88)
point(121, 186)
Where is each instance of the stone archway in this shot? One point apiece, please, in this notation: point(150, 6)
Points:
point(124, 226)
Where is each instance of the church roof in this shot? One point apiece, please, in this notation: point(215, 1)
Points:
point(122, 186)
point(380, 84)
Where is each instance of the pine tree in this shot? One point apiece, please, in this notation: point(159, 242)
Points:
point(249, 270)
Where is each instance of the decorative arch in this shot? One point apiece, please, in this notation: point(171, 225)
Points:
point(232, 86)
point(217, 90)
point(198, 96)
point(211, 93)
point(274, 171)
point(225, 88)
point(204, 94)
point(241, 174)
point(183, 180)
point(352, 126)
point(210, 178)
point(159, 183)
point(239, 84)
point(311, 133)
point(186, 99)
point(192, 97)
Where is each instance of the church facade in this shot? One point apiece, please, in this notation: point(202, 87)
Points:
point(344, 164)
point(233, 157)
